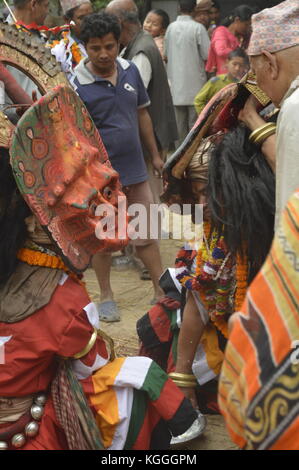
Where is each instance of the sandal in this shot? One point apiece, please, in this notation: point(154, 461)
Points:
point(145, 275)
point(108, 312)
point(197, 428)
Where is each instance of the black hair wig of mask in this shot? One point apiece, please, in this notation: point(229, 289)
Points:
point(241, 191)
point(13, 212)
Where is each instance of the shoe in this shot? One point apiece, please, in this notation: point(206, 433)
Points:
point(197, 428)
point(122, 263)
point(108, 311)
point(145, 275)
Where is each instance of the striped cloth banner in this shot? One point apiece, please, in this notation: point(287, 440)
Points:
point(259, 386)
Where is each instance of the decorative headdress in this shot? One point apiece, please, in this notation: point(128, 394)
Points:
point(220, 114)
point(19, 50)
point(199, 165)
point(27, 54)
point(63, 172)
point(275, 29)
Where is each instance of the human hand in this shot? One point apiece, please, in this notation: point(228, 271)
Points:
point(229, 92)
point(249, 114)
point(158, 165)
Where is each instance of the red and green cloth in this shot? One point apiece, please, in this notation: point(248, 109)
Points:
point(136, 405)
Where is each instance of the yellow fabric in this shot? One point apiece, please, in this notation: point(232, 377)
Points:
point(214, 355)
point(105, 400)
point(210, 89)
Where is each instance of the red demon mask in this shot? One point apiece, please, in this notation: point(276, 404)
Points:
point(63, 172)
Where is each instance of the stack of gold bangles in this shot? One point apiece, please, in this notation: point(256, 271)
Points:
point(183, 380)
point(262, 133)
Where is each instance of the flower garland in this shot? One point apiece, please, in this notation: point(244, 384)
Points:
point(75, 51)
point(184, 260)
point(77, 54)
point(34, 257)
point(214, 278)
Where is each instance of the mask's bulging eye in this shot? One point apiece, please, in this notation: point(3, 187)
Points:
point(108, 193)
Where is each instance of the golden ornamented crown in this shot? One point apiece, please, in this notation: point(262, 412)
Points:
point(249, 82)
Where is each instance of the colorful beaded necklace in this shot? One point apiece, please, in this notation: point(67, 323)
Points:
point(216, 274)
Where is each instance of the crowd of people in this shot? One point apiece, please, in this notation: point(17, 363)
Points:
point(204, 110)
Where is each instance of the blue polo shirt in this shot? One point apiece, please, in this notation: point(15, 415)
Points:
point(114, 110)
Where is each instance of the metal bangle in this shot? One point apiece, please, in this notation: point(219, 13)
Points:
point(184, 384)
point(259, 130)
point(88, 347)
point(177, 375)
point(264, 135)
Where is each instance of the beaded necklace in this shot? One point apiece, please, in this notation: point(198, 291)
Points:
point(215, 276)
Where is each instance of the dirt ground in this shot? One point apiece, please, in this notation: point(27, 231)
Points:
point(133, 297)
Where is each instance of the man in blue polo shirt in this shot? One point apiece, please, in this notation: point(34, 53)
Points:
point(114, 94)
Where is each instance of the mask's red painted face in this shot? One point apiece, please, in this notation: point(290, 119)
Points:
point(62, 170)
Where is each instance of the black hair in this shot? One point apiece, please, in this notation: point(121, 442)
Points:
point(215, 4)
point(98, 25)
point(22, 3)
point(243, 12)
point(69, 15)
point(13, 212)
point(241, 197)
point(256, 9)
point(164, 16)
point(187, 6)
point(239, 52)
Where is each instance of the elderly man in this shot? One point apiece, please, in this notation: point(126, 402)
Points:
point(274, 57)
point(30, 12)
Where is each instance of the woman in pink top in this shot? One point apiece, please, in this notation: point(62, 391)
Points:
point(228, 37)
